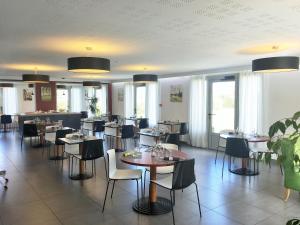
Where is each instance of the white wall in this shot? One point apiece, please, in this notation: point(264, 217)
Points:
point(281, 93)
point(174, 110)
point(24, 106)
point(281, 96)
point(117, 106)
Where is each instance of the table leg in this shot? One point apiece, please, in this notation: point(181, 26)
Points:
point(82, 173)
point(152, 187)
point(153, 205)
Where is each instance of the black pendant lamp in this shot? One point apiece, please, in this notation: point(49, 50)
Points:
point(3, 85)
point(36, 78)
point(61, 86)
point(94, 84)
point(144, 78)
point(88, 64)
point(276, 64)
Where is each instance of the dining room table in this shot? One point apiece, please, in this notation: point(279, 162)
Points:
point(153, 204)
point(171, 126)
point(252, 139)
point(82, 175)
point(148, 137)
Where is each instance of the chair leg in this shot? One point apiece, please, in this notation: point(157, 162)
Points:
point(216, 155)
point(174, 199)
point(137, 193)
point(105, 196)
point(105, 168)
point(281, 169)
point(112, 190)
point(145, 173)
point(22, 138)
point(172, 207)
point(223, 165)
point(198, 199)
point(94, 167)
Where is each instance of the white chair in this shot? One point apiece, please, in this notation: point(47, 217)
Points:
point(115, 174)
point(163, 169)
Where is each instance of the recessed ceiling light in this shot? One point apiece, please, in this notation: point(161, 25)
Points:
point(31, 67)
point(264, 49)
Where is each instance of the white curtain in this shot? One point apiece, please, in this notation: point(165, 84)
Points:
point(76, 99)
point(197, 117)
point(129, 100)
point(10, 101)
point(104, 99)
point(152, 103)
point(250, 102)
point(101, 94)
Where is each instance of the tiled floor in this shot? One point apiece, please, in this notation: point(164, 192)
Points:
point(40, 192)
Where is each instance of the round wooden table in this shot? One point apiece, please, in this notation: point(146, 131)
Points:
point(244, 171)
point(153, 205)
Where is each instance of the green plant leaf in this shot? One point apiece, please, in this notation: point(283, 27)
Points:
point(281, 126)
point(295, 126)
point(270, 144)
point(296, 116)
point(288, 123)
point(273, 130)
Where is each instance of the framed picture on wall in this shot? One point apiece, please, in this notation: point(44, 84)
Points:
point(120, 94)
point(27, 94)
point(176, 93)
point(46, 93)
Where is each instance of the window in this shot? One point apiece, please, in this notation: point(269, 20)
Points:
point(62, 100)
point(140, 101)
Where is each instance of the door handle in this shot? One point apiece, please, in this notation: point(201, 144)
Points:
point(211, 114)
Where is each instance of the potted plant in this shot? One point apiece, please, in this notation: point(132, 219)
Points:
point(93, 105)
point(285, 142)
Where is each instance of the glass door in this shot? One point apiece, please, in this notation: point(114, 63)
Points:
point(222, 107)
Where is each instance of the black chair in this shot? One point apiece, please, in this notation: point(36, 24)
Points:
point(143, 123)
point(127, 133)
point(84, 114)
point(98, 126)
point(6, 120)
point(173, 138)
point(29, 130)
point(114, 118)
point(91, 150)
point(59, 134)
point(182, 177)
point(184, 130)
point(237, 148)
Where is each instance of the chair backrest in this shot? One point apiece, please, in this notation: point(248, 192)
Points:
point(92, 149)
point(143, 123)
point(112, 166)
point(237, 147)
point(84, 114)
point(184, 128)
point(127, 131)
point(169, 146)
point(173, 138)
point(99, 125)
point(30, 130)
point(61, 134)
point(6, 119)
point(115, 118)
point(184, 174)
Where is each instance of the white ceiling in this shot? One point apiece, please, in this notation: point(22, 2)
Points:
point(165, 36)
